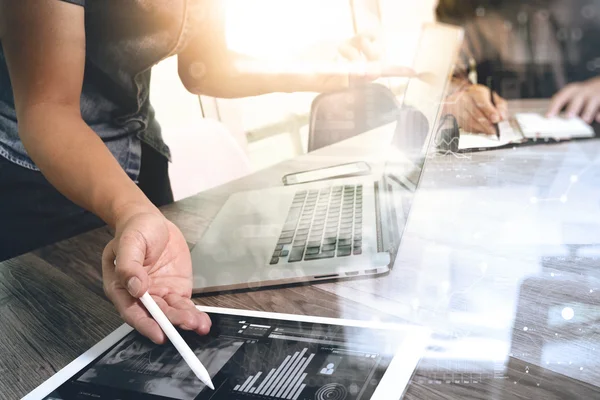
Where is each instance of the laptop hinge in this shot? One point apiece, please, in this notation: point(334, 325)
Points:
point(378, 222)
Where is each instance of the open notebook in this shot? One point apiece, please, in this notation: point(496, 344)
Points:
point(528, 126)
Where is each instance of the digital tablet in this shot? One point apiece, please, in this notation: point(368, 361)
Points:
point(249, 355)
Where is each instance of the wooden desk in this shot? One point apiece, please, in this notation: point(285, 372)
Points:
point(481, 224)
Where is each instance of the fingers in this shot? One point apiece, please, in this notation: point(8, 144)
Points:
point(136, 315)
point(141, 241)
point(485, 106)
point(186, 315)
point(479, 123)
point(364, 44)
point(371, 48)
point(130, 255)
point(130, 309)
point(592, 107)
point(501, 106)
point(476, 112)
point(576, 106)
point(560, 100)
point(350, 52)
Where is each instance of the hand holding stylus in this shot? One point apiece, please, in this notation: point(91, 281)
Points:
point(186, 353)
point(182, 347)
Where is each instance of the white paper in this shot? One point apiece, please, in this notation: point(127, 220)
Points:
point(538, 126)
point(508, 135)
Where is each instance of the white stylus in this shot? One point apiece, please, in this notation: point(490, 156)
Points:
point(188, 355)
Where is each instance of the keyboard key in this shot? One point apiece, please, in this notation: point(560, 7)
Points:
point(299, 242)
point(274, 260)
point(325, 254)
point(344, 251)
point(314, 243)
point(357, 250)
point(345, 236)
point(330, 240)
point(277, 253)
point(312, 250)
point(296, 254)
point(286, 235)
point(344, 242)
point(327, 247)
point(284, 253)
point(279, 247)
point(285, 241)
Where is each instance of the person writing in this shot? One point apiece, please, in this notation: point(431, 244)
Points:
point(534, 49)
point(79, 145)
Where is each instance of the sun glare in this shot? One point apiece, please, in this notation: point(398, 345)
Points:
point(281, 30)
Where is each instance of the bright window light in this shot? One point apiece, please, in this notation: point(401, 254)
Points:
point(283, 30)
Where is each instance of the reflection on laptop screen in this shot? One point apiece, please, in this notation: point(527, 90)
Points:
point(436, 55)
point(417, 124)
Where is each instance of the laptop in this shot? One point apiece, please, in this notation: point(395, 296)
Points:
point(339, 228)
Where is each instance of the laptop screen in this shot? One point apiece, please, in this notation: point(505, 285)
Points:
point(417, 125)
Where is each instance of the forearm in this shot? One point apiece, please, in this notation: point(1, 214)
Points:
point(74, 159)
point(219, 77)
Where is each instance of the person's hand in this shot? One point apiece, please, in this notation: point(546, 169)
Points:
point(474, 111)
point(580, 99)
point(360, 59)
point(151, 255)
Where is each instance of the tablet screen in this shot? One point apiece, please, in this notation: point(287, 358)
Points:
point(247, 358)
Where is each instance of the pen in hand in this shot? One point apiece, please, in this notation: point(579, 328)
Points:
point(490, 84)
point(184, 350)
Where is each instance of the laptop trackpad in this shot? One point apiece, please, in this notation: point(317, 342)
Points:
point(247, 228)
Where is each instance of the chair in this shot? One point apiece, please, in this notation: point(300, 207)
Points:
point(205, 153)
point(343, 114)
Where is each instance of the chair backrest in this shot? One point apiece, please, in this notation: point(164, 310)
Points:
point(340, 115)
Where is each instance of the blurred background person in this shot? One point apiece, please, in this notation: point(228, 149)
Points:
point(532, 49)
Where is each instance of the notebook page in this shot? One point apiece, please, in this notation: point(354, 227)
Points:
point(508, 135)
point(538, 126)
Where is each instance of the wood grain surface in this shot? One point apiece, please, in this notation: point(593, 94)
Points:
point(496, 242)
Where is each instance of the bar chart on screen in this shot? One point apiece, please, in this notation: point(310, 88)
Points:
point(284, 382)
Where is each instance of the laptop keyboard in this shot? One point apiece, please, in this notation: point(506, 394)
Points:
point(322, 223)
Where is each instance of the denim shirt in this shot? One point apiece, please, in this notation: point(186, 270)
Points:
point(124, 39)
